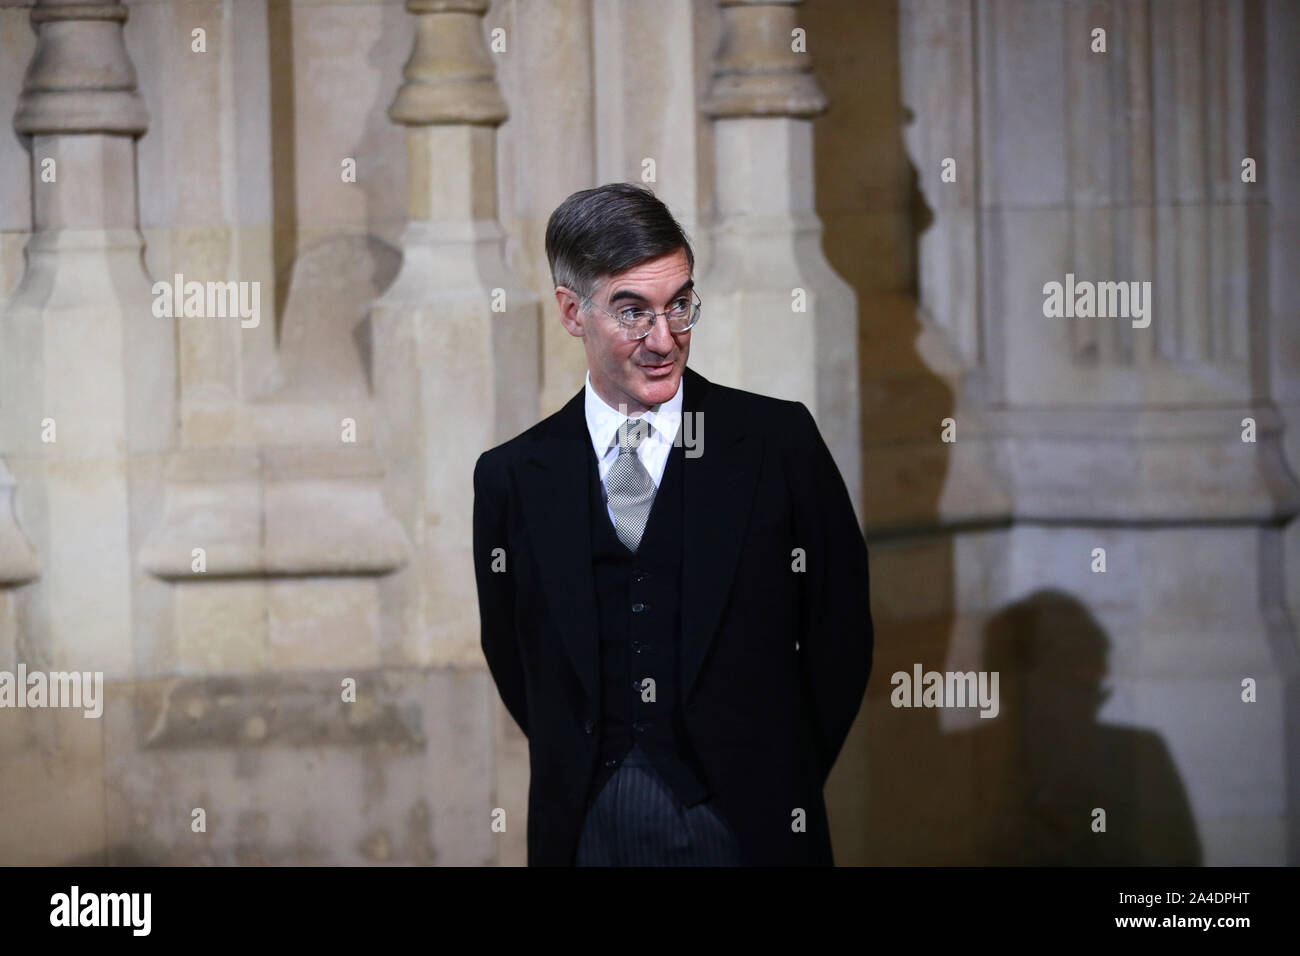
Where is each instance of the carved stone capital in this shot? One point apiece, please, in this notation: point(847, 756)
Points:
point(80, 79)
point(757, 69)
point(450, 77)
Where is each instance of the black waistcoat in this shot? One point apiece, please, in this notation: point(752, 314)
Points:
point(638, 606)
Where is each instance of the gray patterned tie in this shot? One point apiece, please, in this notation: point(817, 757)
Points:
point(631, 489)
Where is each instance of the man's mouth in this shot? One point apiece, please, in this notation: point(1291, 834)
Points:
point(661, 369)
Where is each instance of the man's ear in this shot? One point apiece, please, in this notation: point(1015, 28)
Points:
point(571, 316)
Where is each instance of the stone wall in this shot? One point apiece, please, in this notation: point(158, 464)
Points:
point(256, 523)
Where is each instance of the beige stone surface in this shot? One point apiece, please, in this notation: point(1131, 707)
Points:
point(323, 458)
point(54, 805)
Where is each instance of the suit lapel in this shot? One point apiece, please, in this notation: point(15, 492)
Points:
point(553, 493)
point(718, 486)
point(719, 493)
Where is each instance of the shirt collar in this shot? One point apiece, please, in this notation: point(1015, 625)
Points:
point(603, 420)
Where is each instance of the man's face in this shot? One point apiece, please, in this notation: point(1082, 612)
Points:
point(637, 373)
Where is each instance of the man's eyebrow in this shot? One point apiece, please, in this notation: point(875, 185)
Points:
point(623, 294)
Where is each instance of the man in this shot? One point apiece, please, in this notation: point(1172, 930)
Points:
point(671, 579)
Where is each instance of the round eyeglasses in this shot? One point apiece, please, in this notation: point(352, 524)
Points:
point(681, 315)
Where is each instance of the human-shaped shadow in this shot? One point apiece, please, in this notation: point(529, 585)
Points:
point(1044, 765)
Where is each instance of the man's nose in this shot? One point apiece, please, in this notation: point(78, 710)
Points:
point(660, 340)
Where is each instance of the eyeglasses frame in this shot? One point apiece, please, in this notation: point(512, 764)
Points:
point(696, 307)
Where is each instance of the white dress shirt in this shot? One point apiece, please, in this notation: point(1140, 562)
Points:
point(603, 422)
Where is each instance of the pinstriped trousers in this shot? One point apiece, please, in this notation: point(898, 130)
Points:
point(637, 820)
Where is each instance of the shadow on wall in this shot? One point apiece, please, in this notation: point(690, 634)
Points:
point(1023, 788)
point(873, 210)
point(1045, 765)
point(1020, 788)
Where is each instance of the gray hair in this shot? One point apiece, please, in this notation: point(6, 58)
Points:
point(600, 232)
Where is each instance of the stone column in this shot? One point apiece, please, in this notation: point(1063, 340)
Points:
point(777, 319)
point(87, 372)
point(455, 336)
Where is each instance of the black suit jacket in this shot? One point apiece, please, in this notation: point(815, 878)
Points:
point(776, 639)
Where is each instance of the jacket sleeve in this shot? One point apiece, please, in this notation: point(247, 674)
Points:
point(494, 573)
point(836, 634)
